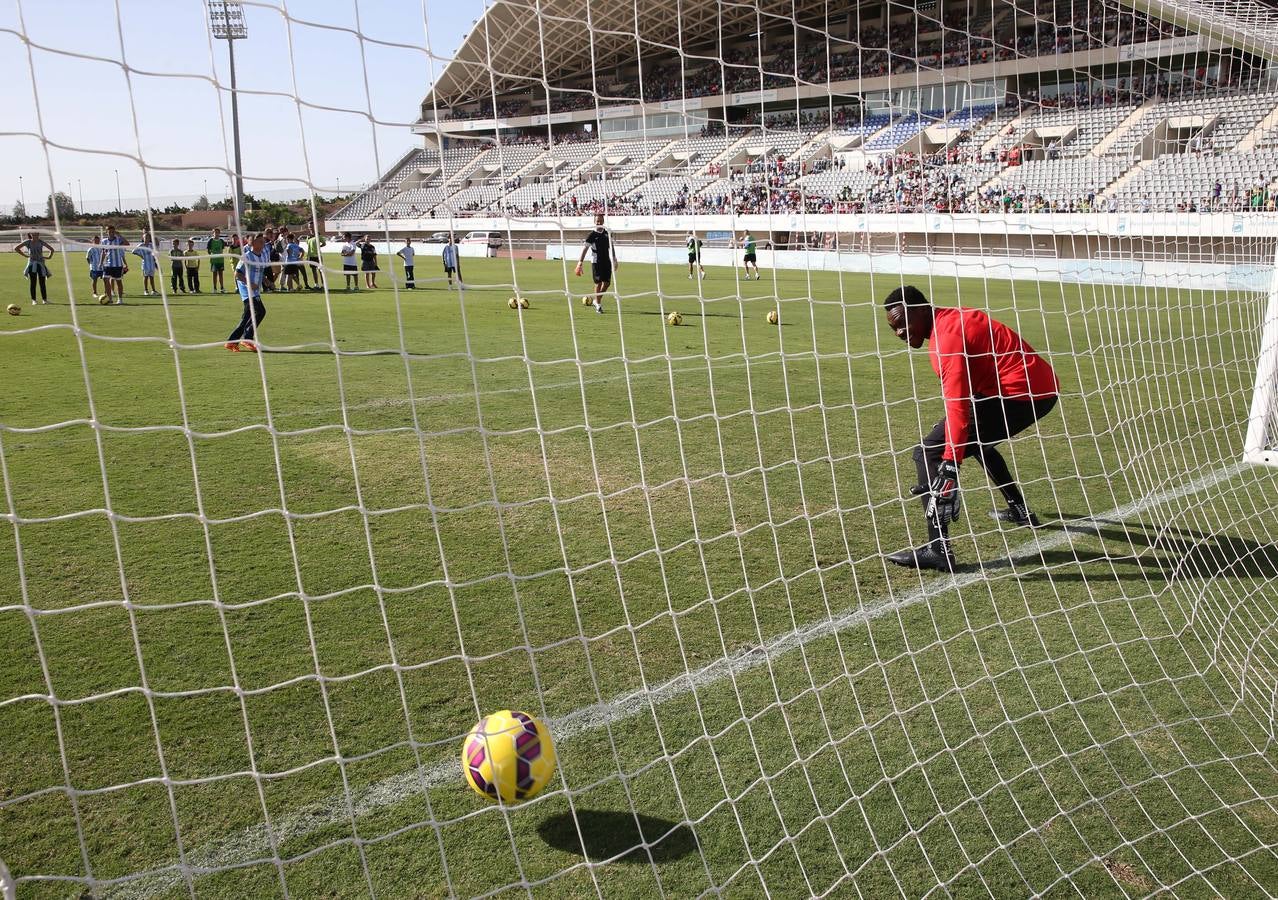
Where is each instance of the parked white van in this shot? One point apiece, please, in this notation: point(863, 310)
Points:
point(490, 238)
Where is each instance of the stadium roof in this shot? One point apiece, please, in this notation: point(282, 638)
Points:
point(517, 43)
point(1249, 25)
point(554, 39)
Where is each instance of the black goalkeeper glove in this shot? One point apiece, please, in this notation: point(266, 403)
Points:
point(943, 502)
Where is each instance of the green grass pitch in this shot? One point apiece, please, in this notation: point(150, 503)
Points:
point(324, 566)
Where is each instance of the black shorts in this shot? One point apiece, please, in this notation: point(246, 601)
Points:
point(292, 269)
point(994, 419)
point(370, 267)
point(600, 273)
point(692, 257)
point(449, 270)
point(113, 271)
point(750, 258)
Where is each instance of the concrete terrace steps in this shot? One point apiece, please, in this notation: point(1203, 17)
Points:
point(1116, 185)
point(1138, 114)
point(1251, 138)
point(991, 144)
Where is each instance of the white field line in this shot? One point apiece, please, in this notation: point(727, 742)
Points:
point(252, 844)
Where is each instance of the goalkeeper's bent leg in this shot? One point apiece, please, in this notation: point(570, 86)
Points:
point(927, 460)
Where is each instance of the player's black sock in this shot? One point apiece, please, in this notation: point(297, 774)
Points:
point(938, 538)
point(1012, 494)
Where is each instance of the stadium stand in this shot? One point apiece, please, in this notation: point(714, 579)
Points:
point(1160, 136)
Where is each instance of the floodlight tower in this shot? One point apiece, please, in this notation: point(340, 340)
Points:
point(226, 18)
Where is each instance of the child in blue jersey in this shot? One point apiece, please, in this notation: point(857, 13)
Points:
point(293, 255)
point(94, 256)
point(146, 251)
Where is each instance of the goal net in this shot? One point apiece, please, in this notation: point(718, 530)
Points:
point(252, 603)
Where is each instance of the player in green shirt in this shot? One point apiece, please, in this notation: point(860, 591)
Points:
point(217, 262)
point(694, 254)
point(313, 261)
point(751, 258)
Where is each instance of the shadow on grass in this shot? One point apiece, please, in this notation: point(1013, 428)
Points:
point(1157, 553)
point(618, 836)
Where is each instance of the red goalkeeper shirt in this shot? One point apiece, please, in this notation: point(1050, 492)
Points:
point(975, 356)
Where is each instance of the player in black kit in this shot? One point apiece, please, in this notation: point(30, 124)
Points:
point(603, 259)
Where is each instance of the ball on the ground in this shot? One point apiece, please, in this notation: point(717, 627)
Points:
point(675, 318)
point(773, 318)
point(588, 300)
point(15, 309)
point(513, 303)
point(508, 755)
point(523, 303)
point(104, 300)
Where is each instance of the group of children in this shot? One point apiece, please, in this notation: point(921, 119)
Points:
point(107, 264)
point(291, 256)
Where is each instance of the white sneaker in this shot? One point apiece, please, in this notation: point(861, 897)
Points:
point(757, 277)
point(598, 307)
point(703, 274)
point(689, 276)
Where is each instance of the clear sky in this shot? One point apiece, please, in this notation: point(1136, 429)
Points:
point(137, 91)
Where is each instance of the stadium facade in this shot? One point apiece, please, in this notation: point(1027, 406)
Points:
point(1055, 129)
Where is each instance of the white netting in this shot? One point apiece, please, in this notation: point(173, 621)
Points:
point(254, 603)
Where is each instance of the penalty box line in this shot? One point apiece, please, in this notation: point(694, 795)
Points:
point(252, 845)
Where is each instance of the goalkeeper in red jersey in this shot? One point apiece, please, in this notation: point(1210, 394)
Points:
point(994, 386)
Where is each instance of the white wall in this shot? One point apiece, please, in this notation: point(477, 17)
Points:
point(1079, 224)
point(1207, 276)
point(423, 250)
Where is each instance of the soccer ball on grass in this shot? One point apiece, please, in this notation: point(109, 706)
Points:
point(773, 318)
point(675, 318)
point(508, 756)
point(513, 303)
point(104, 300)
point(15, 309)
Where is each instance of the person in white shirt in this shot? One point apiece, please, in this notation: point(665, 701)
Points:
point(407, 253)
point(349, 261)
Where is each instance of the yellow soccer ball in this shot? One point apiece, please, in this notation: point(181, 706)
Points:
point(675, 318)
point(773, 318)
point(104, 300)
point(508, 755)
point(513, 303)
point(15, 309)
point(588, 300)
point(523, 303)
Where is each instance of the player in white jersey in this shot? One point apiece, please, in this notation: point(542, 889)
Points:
point(146, 251)
point(114, 267)
point(94, 256)
point(408, 254)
